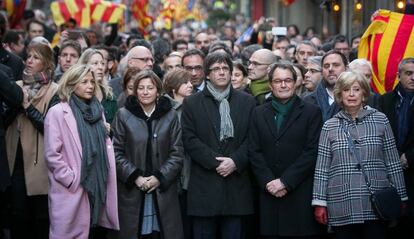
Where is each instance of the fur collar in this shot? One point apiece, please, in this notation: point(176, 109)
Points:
point(162, 107)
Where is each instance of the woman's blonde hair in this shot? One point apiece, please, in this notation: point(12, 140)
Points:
point(346, 80)
point(71, 78)
point(45, 54)
point(84, 59)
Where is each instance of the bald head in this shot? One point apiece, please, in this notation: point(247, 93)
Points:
point(259, 62)
point(265, 56)
point(140, 57)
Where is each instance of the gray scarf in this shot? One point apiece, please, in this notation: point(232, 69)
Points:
point(226, 124)
point(94, 168)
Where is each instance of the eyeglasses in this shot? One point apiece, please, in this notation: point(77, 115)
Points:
point(280, 81)
point(224, 69)
point(255, 63)
point(144, 59)
point(312, 71)
point(193, 68)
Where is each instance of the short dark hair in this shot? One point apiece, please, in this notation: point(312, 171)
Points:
point(219, 45)
point(192, 52)
point(217, 57)
point(339, 39)
point(282, 65)
point(11, 36)
point(332, 52)
point(281, 39)
point(34, 21)
point(71, 43)
point(133, 37)
point(162, 48)
point(178, 42)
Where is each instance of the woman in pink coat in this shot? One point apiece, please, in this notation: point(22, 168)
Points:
point(80, 160)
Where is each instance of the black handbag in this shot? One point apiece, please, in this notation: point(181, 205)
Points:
point(385, 202)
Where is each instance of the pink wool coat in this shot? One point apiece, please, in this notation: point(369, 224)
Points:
point(69, 210)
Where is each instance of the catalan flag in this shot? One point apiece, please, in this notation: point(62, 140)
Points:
point(388, 40)
point(140, 9)
point(79, 10)
point(106, 11)
point(14, 9)
point(86, 12)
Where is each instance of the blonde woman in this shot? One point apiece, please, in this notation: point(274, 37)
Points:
point(80, 160)
point(96, 61)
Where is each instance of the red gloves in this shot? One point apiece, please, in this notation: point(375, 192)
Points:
point(321, 214)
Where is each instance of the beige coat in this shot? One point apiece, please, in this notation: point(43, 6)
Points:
point(35, 170)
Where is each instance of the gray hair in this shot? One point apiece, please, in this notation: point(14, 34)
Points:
point(405, 62)
point(316, 60)
point(359, 63)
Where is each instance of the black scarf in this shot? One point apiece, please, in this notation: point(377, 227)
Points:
point(94, 168)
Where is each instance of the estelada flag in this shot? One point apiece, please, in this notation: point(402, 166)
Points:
point(388, 40)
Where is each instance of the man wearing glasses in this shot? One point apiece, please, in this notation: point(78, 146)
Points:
point(333, 64)
point(141, 58)
point(313, 75)
point(257, 67)
point(192, 62)
point(215, 125)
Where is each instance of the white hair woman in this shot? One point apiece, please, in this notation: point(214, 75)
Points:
point(356, 149)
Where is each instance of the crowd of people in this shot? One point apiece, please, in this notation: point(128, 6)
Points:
point(189, 135)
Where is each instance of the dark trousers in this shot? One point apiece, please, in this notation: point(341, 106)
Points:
point(29, 214)
point(223, 227)
point(369, 230)
point(404, 228)
point(184, 216)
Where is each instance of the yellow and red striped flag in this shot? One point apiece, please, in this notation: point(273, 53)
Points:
point(86, 11)
point(79, 10)
point(14, 9)
point(140, 10)
point(106, 11)
point(388, 40)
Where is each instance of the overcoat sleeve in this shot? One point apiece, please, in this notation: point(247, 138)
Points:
point(57, 165)
point(172, 166)
point(261, 170)
point(127, 172)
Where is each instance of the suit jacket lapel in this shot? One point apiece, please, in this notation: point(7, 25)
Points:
point(73, 128)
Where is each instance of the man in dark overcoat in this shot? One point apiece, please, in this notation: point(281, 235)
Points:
point(398, 106)
point(215, 126)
